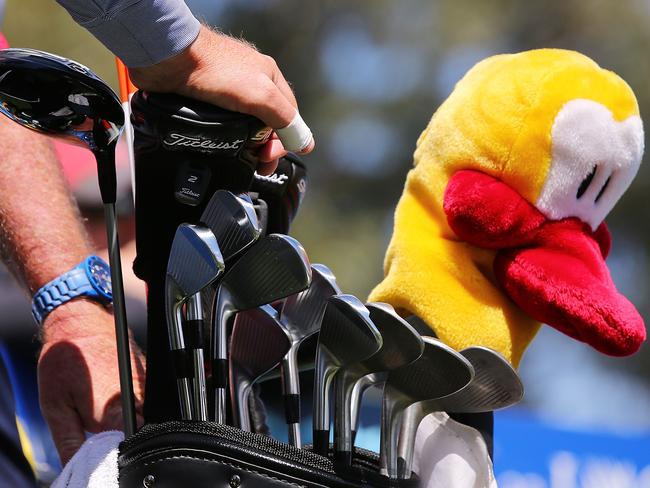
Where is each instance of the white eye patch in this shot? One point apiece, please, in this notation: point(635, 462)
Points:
point(594, 158)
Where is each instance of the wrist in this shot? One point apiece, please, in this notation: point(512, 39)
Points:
point(77, 318)
point(172, 74)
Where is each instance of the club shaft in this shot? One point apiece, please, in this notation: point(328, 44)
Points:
point(409, 426)
point(321, 412)
point(222, 316)
point(291, 394)
point(196, 317)
point(240, 388)
point(390, 416)
point(343, 384)
point(121, 326)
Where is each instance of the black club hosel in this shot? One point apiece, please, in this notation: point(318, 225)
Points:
point(106, 173)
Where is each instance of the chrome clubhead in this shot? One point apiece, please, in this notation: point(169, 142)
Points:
point(233, 221)
point(438, 372)
point(275, 267)
point(59, 97)
point(402, 345)
point(302, 313)
point(257, 345)
point(495, 385)
point(347, 336)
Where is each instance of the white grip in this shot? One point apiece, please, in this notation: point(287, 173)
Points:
point(296, 136)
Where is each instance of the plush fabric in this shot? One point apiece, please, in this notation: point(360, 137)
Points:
point(519, 118)
point(554, 270)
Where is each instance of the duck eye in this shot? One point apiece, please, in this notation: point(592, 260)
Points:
point(586, 182)
point(602, 190)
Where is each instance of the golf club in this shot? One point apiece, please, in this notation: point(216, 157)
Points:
point(495, 385)
point(301, 318)
point(257, 344)
point(347, 336)
point(275, 267)
point(62, 98)
point(233, 222)
point(194, 262)
point(402, 345)
point(438, 372)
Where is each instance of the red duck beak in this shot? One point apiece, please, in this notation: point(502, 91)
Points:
point(560, 278)
point(553, 270)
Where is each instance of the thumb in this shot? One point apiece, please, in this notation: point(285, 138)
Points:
point(67, 431)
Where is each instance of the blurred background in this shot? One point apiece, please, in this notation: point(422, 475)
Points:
point(368, 75)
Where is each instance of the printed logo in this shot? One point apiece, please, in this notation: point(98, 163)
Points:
point(274, 179)
point(197, 143)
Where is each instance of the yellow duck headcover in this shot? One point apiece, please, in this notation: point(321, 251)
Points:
point(500, 226)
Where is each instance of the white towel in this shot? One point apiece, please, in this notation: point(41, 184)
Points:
point(94, 465)
point(451, 454)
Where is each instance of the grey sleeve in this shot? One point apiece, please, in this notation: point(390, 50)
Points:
point(139, 32)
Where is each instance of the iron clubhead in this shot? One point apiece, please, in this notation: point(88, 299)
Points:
point(233, 221)
point(438, 372)
point(275, 267)
point(257, 345)
point(495, 385)
point(402, 345)
point(347, 336)
point(302, 313)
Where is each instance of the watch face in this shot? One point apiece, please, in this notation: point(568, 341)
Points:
point(100, 276)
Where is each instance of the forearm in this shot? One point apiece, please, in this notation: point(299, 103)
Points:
point(41, 233)
point(139, 32)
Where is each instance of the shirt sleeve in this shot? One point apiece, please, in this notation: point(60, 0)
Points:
point(139, 32)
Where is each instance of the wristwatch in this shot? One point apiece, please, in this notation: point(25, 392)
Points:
point(90, 279)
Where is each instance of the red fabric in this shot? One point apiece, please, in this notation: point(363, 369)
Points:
point(554, 270)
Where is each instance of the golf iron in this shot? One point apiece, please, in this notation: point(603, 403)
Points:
point(195, 261)
point(438, 372)
point(495, 385)
point(347, 336)
point(275, 267)
point(402, 345)
point(301, 318)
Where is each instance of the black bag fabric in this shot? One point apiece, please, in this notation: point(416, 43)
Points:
point(209, 455)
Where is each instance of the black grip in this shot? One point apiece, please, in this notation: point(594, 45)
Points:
point(182, 363)
point(292, 408)
point(220, 373)
point(193, 334)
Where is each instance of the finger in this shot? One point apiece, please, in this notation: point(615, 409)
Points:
point(267, 169)
point(67, 431)
point(264, 100)
point(271, 151)
point(285, 88)
point(296, 136)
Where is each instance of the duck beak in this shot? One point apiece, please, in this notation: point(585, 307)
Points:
point(560, 278)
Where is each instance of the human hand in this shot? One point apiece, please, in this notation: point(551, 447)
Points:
point(232, 74)
point(78, 379)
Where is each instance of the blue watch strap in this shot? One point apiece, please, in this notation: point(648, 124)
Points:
point(74, 283)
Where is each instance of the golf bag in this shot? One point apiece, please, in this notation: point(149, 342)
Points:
point(185, 151)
